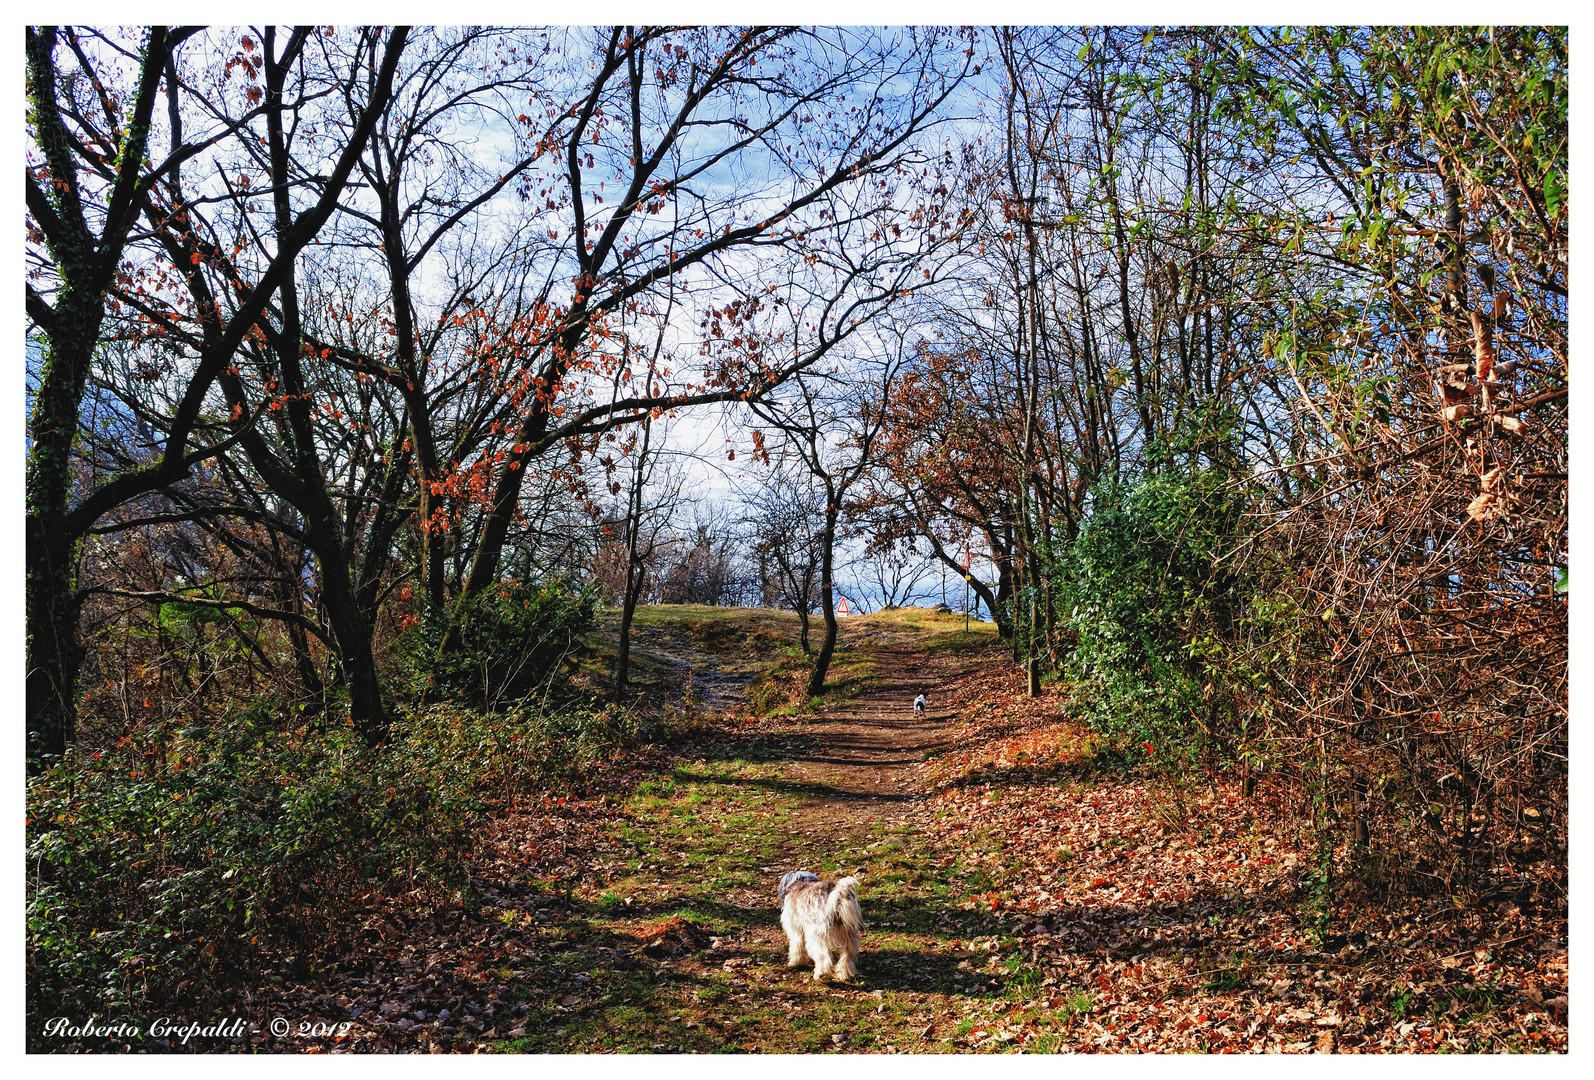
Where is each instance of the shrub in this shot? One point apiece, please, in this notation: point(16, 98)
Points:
point(474, 754)
point(511, 640)
point(1154, 599)
point(180, 852)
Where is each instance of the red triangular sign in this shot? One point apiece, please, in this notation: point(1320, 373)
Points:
point(841, 607)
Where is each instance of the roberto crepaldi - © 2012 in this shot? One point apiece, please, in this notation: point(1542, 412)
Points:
point(95, 1028)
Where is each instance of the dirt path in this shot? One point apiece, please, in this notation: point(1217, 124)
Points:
point(691, 865)
point(861, 757)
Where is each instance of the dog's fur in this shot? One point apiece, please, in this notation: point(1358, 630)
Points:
point(919, 704)
point(791, 879)
point(821, 917)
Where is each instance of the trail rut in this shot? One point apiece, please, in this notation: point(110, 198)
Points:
point(860, 758)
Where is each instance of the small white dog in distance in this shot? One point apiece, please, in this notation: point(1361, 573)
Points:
point(919, 704)
point(821, 918)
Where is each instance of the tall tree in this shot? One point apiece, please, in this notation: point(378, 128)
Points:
point(1431, 373)
point(652, 496)
point(88, 182)
point(785, 518)
point(829, 424)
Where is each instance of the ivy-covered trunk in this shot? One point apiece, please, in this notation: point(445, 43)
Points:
point(71, 327)
point(54, 653)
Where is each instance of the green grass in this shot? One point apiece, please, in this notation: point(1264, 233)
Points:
point(761, 646)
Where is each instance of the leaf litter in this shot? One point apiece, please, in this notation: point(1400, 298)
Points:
point(1021, 896)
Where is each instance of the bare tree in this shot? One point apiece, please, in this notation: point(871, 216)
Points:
point(662, 111)
point(828, 424)
point(887, 568)
point(652, 497)
point(698, 564)
point(88, 184)
point(785, 515)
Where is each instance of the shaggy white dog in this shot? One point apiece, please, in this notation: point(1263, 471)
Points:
point(821, 918)
point(919, 704)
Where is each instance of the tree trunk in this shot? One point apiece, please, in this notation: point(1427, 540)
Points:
point(635, 558)
point(1019, 576)
point(827, 599)
point(352, 632)
point(982, 594)
point(1004, 590)
point(351, 624)
point(622, 663)
point(428, 521)
point(85, 265)
point(72, 331)
point(54, 653)
point(634, 579)
point(1036, 638)
point(305, 664)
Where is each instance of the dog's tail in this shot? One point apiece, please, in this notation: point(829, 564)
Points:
point(841, 906)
